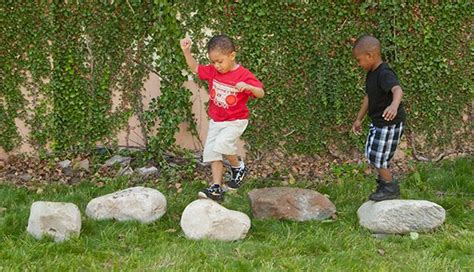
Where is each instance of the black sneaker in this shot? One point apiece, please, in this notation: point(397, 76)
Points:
point(215, 192)
point(237, 177)
point(386, 191)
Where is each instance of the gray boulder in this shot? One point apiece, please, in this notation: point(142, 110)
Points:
point(206, 219)
point(56, 219)
point(138, 203)
point(401, 216)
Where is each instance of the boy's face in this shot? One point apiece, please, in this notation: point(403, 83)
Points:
point(364, 59)
point(223, 62)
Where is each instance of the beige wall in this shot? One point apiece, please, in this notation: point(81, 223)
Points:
point(132, 135)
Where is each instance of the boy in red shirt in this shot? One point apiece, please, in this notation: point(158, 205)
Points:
point(230, 87)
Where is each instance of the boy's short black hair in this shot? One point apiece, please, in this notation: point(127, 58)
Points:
point(221, 42)
point(367, 43)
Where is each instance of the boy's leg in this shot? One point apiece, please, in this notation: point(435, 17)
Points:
point(226, 145)
point(217, 168)
point(215, 191)
point(387, 187)
point(380, 148)
point(384, 174)
point(238, 171)
point(233, 160)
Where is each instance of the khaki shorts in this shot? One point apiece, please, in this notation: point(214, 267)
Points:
point(221, 139)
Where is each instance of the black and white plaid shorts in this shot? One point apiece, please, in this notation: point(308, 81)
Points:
point(382, 143)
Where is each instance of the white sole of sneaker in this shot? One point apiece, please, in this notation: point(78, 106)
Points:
point(202, 195)
point(227, 188)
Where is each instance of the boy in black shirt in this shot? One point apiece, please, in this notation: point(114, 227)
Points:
point(383, 104)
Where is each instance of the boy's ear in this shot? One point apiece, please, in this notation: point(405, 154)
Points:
point(232, 55)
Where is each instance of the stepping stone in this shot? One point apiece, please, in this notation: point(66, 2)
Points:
point(401, 216)
point(138, 203)
point(290, 203)
point(59, 220)
point(206, 219)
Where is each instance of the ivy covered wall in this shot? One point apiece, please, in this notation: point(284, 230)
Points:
point(70, 56)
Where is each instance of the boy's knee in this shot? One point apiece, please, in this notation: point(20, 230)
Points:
point(225, 147)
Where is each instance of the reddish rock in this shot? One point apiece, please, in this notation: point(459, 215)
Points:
point(290, 203)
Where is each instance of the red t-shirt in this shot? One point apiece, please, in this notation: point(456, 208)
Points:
point(226, 103)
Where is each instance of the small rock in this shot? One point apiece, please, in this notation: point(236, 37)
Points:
point(118, 159)
point(57, 219)
point(381, 235)
point(66, 168)
point(145, 171)
point(68, 172)
point(400, 216)
point(65, 164)
point(138, 203)
point(102, 150)
point(82, 165)
point(206, 219)
point(25, 177)
point(125, 171)
point(414, 235)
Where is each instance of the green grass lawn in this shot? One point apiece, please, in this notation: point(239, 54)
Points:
point(332, 245)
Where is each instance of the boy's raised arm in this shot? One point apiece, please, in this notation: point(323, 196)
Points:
point(186, 47)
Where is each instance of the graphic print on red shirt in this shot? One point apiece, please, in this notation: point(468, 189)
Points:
point(226, 103)
point(223, 95)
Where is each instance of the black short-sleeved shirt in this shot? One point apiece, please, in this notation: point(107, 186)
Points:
point(378, 86)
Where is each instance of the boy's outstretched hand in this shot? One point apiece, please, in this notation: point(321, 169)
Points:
point(390, 113)
point(185, 44)
point(242, 86)
point(356, 127)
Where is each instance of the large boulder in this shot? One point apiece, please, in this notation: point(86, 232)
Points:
point(400, 216)
point(138, 203)
point(56, 219)
point(206, 219)
point(290, 203)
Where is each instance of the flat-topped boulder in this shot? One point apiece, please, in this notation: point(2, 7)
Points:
point(401, 216)
point(290, 203)
point(138, 203)
point(206, 219)
point(59, 220)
